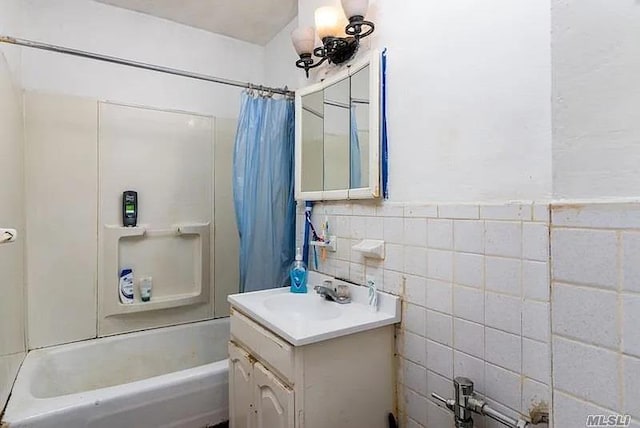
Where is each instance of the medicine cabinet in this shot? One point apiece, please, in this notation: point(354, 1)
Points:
point(338, 135)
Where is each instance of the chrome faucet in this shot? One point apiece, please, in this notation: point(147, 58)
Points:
point(466, 403)
point(329, 293)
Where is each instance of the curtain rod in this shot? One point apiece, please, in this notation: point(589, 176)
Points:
point(142, 65)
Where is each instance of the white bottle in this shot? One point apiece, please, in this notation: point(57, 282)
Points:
point(373, 293)
point(125, 286)
point(146, 284)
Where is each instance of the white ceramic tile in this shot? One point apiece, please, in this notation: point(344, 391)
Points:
point(415, 261)
point(390, 209)
point(374, 228)
point(440, 264)
point(571, 412)
point(503, 312)
point(535, 320)
point(393, 230)
point(535, 280)
point(468, 337)
point(422, 211)
point(438, 417)
point(341, 269)
point(631, 325)
point(440, 359)
point(415, 232)
point(631, 261)
point(458, 211)
point(542, 213)
point(503, 349)
point(393, 257)
point(356, 273)
point(414, 348)
point(440, 233)
point(440, 327)
point(358, 228)
point(503, 275)
point(439, 296)
point(416, 289)
point(586, 314)
point(535, 241)
point(471, 367)
point(585, 256)
point(503, 238)
point(343, 208)
point(598, 215)
point(414, 319)
point(468, 236)
point(503, 386)
point(374, 268)
point(505, 212)
point(468, 303)
point(393, 282)
point(343, 226)
point(415, 377)
point(586, 371)
point(439, 384)
point(363, 208)
point(416, 406)
point(536, 360)
point(631, 382)
point(469, 269)
point(534, 396)
point(343, 250)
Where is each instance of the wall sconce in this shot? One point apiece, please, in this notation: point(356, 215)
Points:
point(340, 39)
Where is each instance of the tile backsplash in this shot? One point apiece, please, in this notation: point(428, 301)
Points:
point(474, 280)
point(596, 311)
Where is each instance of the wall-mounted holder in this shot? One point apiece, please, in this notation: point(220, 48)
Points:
point(112, 237)
point(331, 244)
point(371, 248)
point(8, 235)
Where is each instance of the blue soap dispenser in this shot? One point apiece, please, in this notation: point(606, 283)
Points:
point(298, 274)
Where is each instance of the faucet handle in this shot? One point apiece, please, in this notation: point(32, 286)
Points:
point(448, 403)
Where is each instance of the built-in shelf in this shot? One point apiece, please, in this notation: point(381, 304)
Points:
point(113, 237)
point(371, 248)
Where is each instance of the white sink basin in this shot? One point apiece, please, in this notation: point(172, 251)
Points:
point(302, 319)
point(302, 307)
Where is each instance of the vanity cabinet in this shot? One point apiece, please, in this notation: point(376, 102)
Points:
point(341, 382)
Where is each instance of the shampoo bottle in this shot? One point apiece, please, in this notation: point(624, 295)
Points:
point(298, 274)
point(125, 286)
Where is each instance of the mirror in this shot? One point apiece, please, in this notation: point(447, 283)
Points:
point(337, 152)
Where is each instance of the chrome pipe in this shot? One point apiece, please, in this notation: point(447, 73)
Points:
point(141, 65)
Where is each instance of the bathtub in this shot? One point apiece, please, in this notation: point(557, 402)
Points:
point(168, 377)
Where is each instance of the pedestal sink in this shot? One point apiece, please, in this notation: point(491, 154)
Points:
point(310, 306)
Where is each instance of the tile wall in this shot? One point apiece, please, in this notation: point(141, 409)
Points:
point(475, 287)
point(596, 311)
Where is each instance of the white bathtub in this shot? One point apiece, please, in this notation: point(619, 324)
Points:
point(168, 377)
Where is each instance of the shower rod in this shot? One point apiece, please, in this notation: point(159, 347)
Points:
point(141, 65)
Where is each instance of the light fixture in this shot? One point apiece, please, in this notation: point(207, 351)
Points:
point(340, 39)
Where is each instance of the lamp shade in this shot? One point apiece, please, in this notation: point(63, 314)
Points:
point(303, 39)
point(355, 7)
point(329, 22)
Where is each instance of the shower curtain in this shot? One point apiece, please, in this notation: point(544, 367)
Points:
point(263, 176)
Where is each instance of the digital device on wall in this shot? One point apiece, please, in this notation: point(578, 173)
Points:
point(129, 208)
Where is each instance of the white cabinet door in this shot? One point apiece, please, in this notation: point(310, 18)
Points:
point(273, 400)
point(241, 388)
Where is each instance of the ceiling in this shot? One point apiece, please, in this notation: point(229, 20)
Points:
point(255, 21)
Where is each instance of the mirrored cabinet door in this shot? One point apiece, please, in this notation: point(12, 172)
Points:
point(337, 138)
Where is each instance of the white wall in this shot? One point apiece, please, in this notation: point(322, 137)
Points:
point(92, 26)
point(280, 58)
point(596, 99)
point(12, 342)
point(469, 89)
